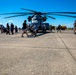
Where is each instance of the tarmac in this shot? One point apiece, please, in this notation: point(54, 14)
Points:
point(48, 54)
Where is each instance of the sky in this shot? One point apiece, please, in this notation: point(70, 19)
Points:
point(7, 6)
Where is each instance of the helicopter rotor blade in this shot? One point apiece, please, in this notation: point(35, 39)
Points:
point(17, 13)
point(51, 17)
point(28, 10)
point(64, 15)
point(60, 13)
point(15, 16)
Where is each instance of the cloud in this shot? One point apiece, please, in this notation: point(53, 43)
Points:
point(11, 21)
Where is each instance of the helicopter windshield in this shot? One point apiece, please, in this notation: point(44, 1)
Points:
point(36, 19)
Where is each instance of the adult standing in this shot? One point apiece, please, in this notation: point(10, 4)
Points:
point(50, 28)
point(75, 27)
point(8, 29)
point(16, 29)
point(24, 28)
point(12, 28)
point(44, 28)
point(59, 28)
point(1, 28)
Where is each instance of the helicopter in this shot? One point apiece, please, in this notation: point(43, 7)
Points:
point(38, 18)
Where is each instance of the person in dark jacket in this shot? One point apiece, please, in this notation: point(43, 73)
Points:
point(24, 28)
point(12, 28)
point(16, 29)
point(8, 28)
point(59, 28)
point(44, 28)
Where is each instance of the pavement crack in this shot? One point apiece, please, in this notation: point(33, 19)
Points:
point(67, 48)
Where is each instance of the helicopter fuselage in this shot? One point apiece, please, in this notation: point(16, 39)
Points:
point(38, 20)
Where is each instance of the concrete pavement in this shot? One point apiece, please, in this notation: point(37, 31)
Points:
point(49, 54)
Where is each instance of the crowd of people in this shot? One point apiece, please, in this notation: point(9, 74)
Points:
point(9, 29)
point(33, 29)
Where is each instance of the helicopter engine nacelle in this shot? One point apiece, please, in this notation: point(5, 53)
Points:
point(29, 18)
point(44, 18)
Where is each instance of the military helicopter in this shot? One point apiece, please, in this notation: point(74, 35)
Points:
point(38, 18)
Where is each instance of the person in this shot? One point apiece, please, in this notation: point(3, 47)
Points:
point(24, 28)
point(16, 29)
point(44, 28)
point(12, 28)
point(8, 29)
point(1, 28)
point(50, 28)
point(59, 28)
point(33, 30)
point(74, 27)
